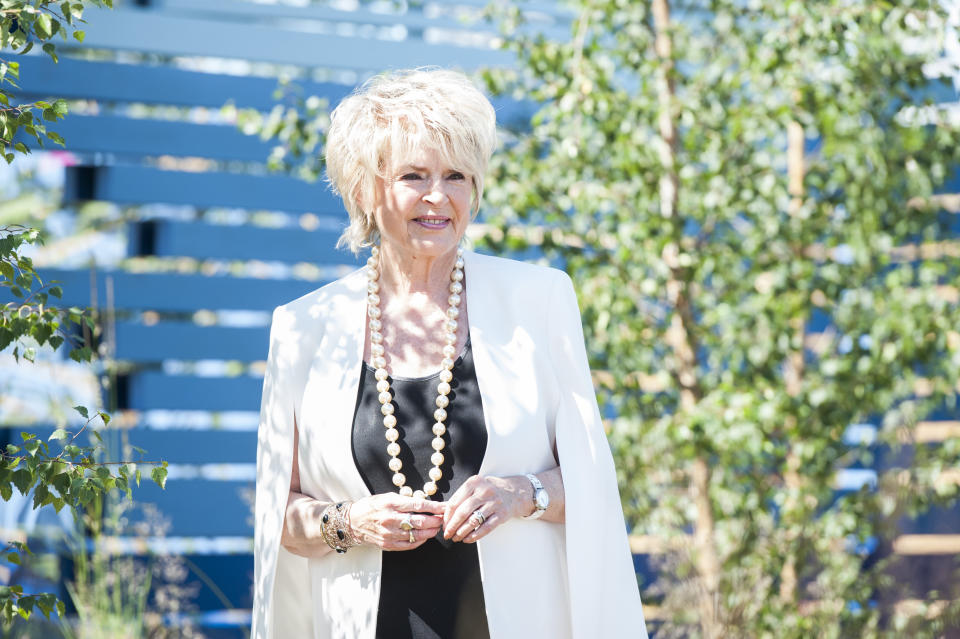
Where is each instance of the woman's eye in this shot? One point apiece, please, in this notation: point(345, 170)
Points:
point(456, 175)
point(410, 176)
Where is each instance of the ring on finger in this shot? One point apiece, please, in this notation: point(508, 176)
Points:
point(413, 539)
point(477, 518)
point(406, 523)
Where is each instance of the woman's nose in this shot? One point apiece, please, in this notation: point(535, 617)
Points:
point(436, 193)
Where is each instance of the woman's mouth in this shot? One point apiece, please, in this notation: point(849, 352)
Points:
point(432, 222)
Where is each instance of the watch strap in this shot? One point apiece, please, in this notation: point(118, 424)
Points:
point(537, 487)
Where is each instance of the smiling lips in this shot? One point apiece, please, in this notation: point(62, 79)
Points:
point(433, 222)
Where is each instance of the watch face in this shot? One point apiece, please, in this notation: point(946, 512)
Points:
point(542, 499)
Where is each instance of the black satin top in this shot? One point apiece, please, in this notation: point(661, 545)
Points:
point(434, 591)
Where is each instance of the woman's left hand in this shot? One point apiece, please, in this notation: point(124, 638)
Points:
point(498, 498)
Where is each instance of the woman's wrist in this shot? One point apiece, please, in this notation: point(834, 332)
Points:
point(355, 519)
point(335, 527)
point(521, 495)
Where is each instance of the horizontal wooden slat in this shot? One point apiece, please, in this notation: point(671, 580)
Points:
point(199, 507)
point(174, 292)
point(902, 545)
point(155, 32)
point(239, 242)
point(191, 446)
point(114, 82)
point(549, 19)
point(127, 184)
point(152, 390)
point(176, 445)
point(939, 431)
point(133, 138)
point(140, 343)
point(927, 545)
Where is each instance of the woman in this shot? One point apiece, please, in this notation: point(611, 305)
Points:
point(431, 459)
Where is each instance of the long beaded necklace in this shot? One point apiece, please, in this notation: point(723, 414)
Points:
point(379, 363)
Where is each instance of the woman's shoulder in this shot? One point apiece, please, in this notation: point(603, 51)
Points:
point(514, 271)
point(321, 302)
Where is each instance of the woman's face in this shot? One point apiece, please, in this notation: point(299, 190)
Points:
point(423, 206)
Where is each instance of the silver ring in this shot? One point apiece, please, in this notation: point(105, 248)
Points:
point(406, 524)
point(478, 518)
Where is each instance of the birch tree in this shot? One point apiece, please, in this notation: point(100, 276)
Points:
point(749, 196)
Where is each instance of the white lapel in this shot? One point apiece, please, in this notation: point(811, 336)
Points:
point(503, 333)
point(481, 309)
point(330, 394)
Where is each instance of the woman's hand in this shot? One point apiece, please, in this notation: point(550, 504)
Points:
point(376, 520)
point(498, 498)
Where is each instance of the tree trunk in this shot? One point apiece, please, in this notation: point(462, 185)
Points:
point(793, 374)
point(680, 336)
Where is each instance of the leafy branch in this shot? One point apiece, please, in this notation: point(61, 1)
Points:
point(23, 23)
point(73, 477)
point(31, 317)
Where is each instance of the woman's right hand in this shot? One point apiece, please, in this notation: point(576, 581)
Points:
point(376, 520)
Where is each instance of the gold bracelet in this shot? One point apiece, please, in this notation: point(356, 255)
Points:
point(335, 527)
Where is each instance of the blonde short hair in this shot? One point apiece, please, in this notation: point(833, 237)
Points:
point(395, 114)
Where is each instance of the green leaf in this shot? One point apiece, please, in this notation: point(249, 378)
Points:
point(60, 108)
point(51, 50)
point(44, 26)
point(82, 410)
point(79, 35)
point(23, 480)
point(13, 558)
point(159, 475)
point(105, 417)
point(60, 434)
point(82, 354)
point(56, 138)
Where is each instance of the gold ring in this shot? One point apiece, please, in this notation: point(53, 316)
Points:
point(405, 523)
point(412, 538)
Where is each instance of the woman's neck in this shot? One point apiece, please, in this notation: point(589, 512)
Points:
point(407, 275)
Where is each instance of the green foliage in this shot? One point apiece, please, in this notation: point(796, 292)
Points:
point(71, 476)
point(658, 171)
point(24, 23)
point(59, 472)
point(31, 322)
point(298, 124)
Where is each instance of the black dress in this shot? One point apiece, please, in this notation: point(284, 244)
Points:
point(434, 591)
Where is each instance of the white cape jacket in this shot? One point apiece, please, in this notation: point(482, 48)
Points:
point(540, 579)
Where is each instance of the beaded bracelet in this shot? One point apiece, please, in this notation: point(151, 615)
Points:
point(335, 527)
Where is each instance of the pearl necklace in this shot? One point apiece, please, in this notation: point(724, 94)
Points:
point(379, 363)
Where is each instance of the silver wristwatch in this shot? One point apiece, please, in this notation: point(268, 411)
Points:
point(541, 500)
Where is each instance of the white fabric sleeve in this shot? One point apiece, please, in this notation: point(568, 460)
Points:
point(604, 594)
point(282, 598)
